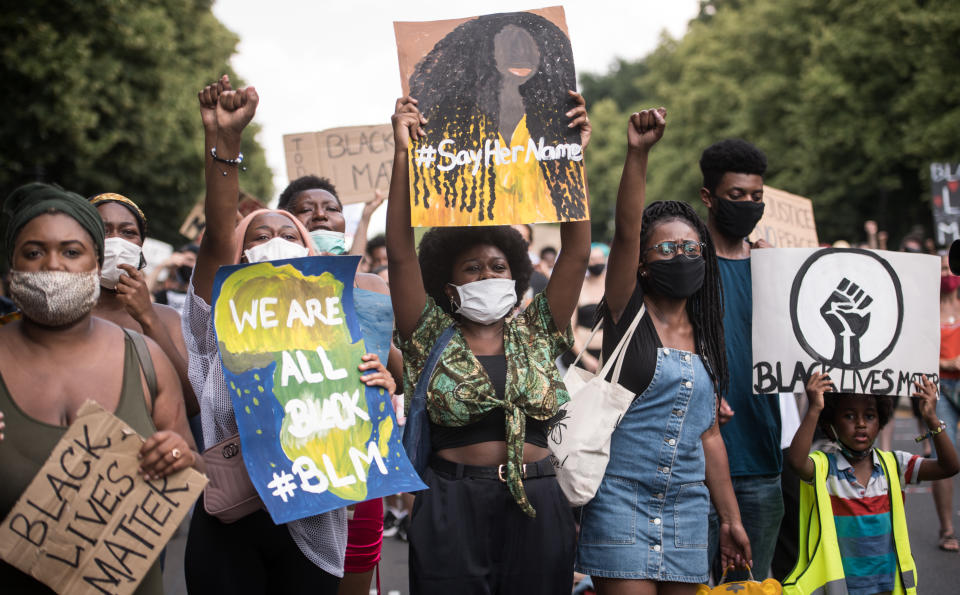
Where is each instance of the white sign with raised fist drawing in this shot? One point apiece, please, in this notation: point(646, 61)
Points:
point(869, 318)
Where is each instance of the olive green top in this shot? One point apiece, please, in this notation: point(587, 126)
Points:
point(27, 444)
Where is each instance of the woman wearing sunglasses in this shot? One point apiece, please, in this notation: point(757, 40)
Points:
point(646, 529)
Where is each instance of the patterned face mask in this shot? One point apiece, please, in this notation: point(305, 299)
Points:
point(54, 298)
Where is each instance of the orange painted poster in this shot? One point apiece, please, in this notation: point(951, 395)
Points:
point(498, 148)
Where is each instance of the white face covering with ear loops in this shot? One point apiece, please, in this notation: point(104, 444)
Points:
point(117, 251)
point(275, 249)
point(486, 301)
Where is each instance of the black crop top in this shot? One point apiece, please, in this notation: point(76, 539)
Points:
point(586, 315)
point(491, 428)
point(641, 358)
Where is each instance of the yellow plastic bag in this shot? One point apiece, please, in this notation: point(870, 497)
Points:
point(749, 587)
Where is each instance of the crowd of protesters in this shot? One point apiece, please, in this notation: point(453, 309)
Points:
point(693, 487)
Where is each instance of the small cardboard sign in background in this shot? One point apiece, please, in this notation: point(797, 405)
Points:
point(357, 159)
point(498, 149)
point(314, 437)
point(945, 187)
point(787, 221)
point(194, 222)
point(88, 523)
point(866, 317)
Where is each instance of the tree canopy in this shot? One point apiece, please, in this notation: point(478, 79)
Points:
point(100, 96)
point(851, 101)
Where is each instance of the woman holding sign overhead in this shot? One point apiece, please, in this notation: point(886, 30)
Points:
point(58, 356)
point(251, 555)
point(645, 531)
point(491, 394)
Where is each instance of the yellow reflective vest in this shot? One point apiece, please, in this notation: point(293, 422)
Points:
point(819, 569)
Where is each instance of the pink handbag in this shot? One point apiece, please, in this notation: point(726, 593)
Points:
point(230, 494)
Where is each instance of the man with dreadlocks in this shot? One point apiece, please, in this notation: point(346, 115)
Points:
point(645, 530)
point(733, 192)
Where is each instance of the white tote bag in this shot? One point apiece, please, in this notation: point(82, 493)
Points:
point(580, 440)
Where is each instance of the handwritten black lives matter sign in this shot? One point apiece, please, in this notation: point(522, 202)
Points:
point(88, 523)
point(357, 159)
point(869, 318)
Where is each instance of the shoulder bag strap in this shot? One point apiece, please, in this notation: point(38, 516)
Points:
point(620, 351)
point(146, 362)
point(431, 362)
point(593, 333)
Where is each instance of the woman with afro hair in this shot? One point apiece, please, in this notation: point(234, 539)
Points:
point(491, 396)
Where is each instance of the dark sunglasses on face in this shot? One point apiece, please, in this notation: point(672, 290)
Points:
point(671, 248)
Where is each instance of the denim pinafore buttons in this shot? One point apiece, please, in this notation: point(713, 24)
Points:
point(649, 517)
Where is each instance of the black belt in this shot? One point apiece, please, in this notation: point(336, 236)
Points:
point(542, 468)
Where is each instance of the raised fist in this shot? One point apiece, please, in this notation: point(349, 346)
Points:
point(845, 312)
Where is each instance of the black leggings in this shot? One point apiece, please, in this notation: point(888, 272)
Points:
point(251, 556)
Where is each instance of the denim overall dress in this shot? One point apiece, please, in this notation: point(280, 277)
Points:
point(649, 517)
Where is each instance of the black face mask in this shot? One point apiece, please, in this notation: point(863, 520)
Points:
point(680, 277)
point(736, 218)
point(596, 269)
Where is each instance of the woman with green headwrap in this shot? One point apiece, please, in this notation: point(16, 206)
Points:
point(58, 356)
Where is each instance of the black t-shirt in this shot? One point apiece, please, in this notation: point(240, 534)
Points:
point(641, 358)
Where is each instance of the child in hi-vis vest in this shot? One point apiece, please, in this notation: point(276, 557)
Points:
point(853, 534)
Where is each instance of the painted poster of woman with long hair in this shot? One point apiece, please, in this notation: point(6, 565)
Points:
point(495, 91)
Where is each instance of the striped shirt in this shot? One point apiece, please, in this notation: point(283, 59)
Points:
point(863, 520)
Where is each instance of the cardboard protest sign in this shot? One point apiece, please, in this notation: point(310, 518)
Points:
point(314, 437)
point(945, 186)
point(868, 318)
point(357, 159)
point(196, 220)
point(787, 221)
point(498, 148)
point(194, 223)
point(88, 523)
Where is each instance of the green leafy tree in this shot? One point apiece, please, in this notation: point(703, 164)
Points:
point(850, 100)
point(100, 96)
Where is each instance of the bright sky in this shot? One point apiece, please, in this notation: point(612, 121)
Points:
point(321, 64)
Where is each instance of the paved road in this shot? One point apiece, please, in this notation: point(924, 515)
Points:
point(937, 571)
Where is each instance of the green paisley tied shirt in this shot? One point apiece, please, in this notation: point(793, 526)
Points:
point(461, 393)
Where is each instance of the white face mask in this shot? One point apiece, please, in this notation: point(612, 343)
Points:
point(488, 300)
point(324, 240)
point(275, 249)
point(117, 251)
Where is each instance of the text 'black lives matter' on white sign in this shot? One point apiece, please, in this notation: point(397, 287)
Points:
point(869, 318)
point(945, 188)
